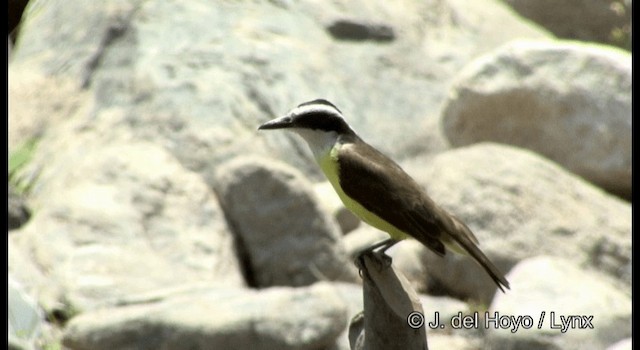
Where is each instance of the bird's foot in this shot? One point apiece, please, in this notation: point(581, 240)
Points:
point(377, 253)
point(386, 260)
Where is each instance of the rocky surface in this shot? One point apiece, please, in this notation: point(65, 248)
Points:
point(285, 237)
point(275, 318)
point(19, 213)
point(141, 210)
point(202, 95)
point(113, 226)
point(567, 101)
point(624, 344)
point(571, 308)
point(24, 317)
point(520, 205)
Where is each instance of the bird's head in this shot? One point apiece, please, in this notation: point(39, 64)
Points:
point(319, 122)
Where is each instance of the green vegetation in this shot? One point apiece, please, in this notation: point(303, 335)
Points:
point(17, 160)
point(52, 346)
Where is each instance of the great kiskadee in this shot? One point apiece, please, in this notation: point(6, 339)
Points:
point(376, 189)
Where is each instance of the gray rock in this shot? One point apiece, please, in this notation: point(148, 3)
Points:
point(286, 237)
point(183, 76)
point(125, 219)
point(407, 258)
point(624, 344)
point(275, 318)
point(16, 344)
point(38, 104)
point(550, 97)
point(446, 307)
point(521, 205)
point(18, 212)
point(187, 83)
point(25, 317)
point(450, 341)
point(350, 29)
point(362, 238)
point(603, 21)
point(351, 294)
point(21, 264)
point(547, 288)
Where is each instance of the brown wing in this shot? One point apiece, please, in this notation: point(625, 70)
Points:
point(394, 196)
point(389, 193)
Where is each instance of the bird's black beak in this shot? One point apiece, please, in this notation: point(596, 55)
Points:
point(278, 123)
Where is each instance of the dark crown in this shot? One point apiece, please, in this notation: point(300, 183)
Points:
point(322, 119)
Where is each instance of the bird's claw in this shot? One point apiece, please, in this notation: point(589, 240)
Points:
point(379, 256)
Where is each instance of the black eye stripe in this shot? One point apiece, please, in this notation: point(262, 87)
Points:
point(322, 121)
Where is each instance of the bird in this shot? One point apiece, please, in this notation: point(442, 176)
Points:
point(376, 189)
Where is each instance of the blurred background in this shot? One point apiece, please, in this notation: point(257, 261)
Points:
point(145, 211)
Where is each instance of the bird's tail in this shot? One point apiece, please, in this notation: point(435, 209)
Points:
point(463, 241)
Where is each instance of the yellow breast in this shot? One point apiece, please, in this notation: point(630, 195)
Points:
point(330, 167)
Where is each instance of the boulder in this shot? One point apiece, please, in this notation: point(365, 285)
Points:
point(568, 101)
point(521, 205)
point(125, 219)
point(227, 318)
point(285, 236)
point(567, 307)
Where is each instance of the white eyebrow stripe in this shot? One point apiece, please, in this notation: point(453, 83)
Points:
point(315, 108)
point(319, 101)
